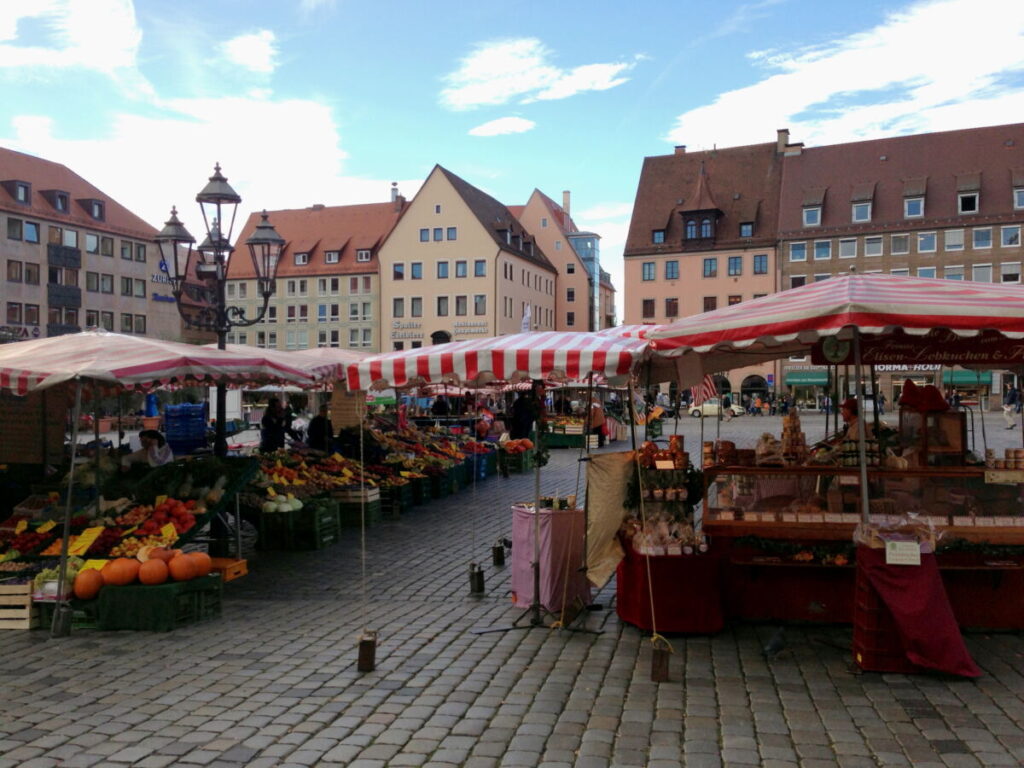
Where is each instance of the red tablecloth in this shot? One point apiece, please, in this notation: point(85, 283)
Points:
point(920, 609)
point(687, 592)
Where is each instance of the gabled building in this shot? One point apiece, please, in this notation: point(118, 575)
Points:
point(74, 258)
point(328, 281)
point(703, 236)
point(582, 303)
point(458, 265)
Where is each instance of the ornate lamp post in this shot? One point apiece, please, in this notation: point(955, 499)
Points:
point(176, 249)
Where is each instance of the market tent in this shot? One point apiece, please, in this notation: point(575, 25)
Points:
point(637, 331)
point(320, 363)
point(130, 361)
point(789, 322)
point(536, 355)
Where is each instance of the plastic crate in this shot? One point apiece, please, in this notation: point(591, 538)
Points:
point(491, 463)
point(312, 527)
point(420, 490)
point(83, 614)
point(396, 500)
point(516, 463)
point(440, 485)
point(351, 513)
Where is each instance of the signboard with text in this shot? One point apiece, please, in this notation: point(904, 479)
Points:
point(928, 352)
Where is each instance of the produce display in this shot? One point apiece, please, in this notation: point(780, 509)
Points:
point(517, 446)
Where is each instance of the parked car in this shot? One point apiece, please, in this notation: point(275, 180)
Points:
point(711, 407)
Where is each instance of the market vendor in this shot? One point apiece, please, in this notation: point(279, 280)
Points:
point(320, 433)
point(274, 427)
point(850, 413)
point(155, 451)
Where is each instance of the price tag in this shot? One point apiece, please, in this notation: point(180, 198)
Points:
point(49, 525)
point(85, 540)
point(962, 520)
point(833, 517)
point(21, 526)
point(128, 531)
point(160, 500)
point(93, 565)
point(789, 517)
point(169, 533)
point(988, 522)
point(664, 464)
point(902, 553)
point(271, 492)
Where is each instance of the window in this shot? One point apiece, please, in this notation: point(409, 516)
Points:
point(21, 192)
point(747, 229)
point(735, 265)
point(398, 271)
point(92, 282)
point(32, 232)
point(452, 233)
point(353, 285)
point(363, 255)
point(822, 250)
point(873, 246)
point(710, 303)
point(231, 290)
point(140, 324)
point(416, 307)
point(913, 207)
point(760, 263)
point(301, 259)
point(140, 252)
point(1018, 198)
point(1009, 237)
point(127, 322)
point(691, 230)
point(442, 306)
point(570, 319)
point(398, 307)
point(336, 312)
point(735, 300)
point(107, 320)
point(14, 229)
point(954, 273)
point(926, 272)
point(321, 313)
point(954, 239)
point(353, 311)
point(798, 251)
point(848, 248)
point(570, 269)
point(106, 283)
point(967, 202)
point(926, 242)
point(424, 235)
point(570, 294)
point(558, 245)
point(331, 257)
point(705, 228)
point(31, 316)
point(31, 274)
point(442, 270)
point(647, 308)
point(671, 308)
point(982, 238)
point(861, 212)
point(672, 270)
point(14, 272)
point(824, 276)
point(461, 269)
point(139, 288)
point(648, 270)
point(658, 236)
point(981, 273)
point(1009, 273)
point(461, 305)
point(899, 244)
point(127, 251)
point(480, 268)
point(61, 201)
point(13, 313)
point(367, 283)
point(812, 216)
point(397, 346)
point(479, 304)
point(271, 316)
point(438, 234)
point(711, 267)
point(126, 286)
point(291, 313)
point(96, 210)
point(796, 281)
point(544, 222)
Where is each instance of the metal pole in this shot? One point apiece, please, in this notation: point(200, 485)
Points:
point(220, 442)
point(862, 453)
point(535, 619)
point(61, 626)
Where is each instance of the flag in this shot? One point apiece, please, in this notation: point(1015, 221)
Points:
point(706, 390)
point(525, 327)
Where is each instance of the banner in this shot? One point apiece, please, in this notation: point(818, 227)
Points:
point(937, 348)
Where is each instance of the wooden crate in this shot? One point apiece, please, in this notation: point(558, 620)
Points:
point(16, 609)
point(355, 496)
point(229, 568)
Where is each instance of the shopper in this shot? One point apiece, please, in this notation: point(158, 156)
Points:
point(320, 433)
point(597, 421)
point(1011, 401)
point(274, 427)
point(154, 451)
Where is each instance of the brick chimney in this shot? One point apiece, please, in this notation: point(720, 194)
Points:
point(565, 200)
point(680, 149)
point(781, 140)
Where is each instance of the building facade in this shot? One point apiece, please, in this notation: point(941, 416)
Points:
point(328, 281)
point(458, 265)
point(703, 236)
point(74, 258)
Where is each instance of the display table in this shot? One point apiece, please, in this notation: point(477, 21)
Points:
point(687, 592)
point(562, 534)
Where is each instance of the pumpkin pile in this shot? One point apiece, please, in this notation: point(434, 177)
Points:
point(152, 566)
point(517, 446)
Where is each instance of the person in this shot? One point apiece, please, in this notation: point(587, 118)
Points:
point(1011, 400)
point(757, 408)
point(440, 406)
point(320, 434)
point(274, 427)
point(154, 451)
point(597, 421)
point(727, 407)
point(848, 410)
point(484, 420)
point(522, 415)
point(563, 406)
point(881, 404)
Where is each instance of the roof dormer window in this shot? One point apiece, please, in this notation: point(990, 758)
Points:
point(301, 259)
point(22, 192)
point(331, 257)
point(97, 210)
point(812, 216)
point(60, 202)
point(363, 255)
point(967, 203)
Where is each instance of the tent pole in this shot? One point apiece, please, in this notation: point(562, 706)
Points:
point(61, 626)
point(535, 618)
point(862, 453)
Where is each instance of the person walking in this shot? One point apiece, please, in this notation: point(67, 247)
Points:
point(727, 407)
point(597, 421)
point(881, 404)
point(1011, 402)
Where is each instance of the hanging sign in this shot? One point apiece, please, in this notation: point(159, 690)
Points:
point(937, 348)
point(902, 553)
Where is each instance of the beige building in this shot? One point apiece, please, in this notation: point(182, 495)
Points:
point(328, 284)
point(76, 259)
point(458, 265)
point(576, 256)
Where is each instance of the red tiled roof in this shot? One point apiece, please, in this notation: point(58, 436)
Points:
point(936, 165)
point(701, 198)
point(44, 175)
point(316, 230)
point(746, 181)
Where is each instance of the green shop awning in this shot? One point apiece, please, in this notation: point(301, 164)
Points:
point(806, 378)
point(953, 378)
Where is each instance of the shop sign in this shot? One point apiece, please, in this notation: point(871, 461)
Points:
point(927, 352)
point(464, 327)
point(158, 278)
point(161, 297)
point(19, 331)
point(409, 330)
point(406, 334)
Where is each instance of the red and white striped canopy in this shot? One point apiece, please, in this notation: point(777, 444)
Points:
point(130, 361)
point(637, 331)
point(318, 363)
point(789, 322)
point(537, 355)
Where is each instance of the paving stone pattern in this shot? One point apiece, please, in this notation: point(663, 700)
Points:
point(274, 681)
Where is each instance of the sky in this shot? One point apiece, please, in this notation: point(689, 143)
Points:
point(330, 101)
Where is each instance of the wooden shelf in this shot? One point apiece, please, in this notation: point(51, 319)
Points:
point(844, 531)
point(824, 469)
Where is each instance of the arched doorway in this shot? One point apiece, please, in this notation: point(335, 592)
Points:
point(440, 337)
point(754, 385)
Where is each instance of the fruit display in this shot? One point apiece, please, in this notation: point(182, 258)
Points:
point(517, 446)
point(52, 574)
point(130, 546)
point(28, 541)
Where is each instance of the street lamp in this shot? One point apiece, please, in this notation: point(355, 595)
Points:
point(176, 248)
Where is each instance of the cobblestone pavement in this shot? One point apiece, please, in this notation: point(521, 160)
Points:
point(274, 681)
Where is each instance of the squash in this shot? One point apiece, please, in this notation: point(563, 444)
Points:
point(88, 584)
point(202, 562)
point(120, 572)
point(182, 568)
point(153, 571)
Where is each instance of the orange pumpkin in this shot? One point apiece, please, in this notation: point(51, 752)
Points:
point(182, 568)
point(88, 584)
point(153, 572)
point(161, 553)
point(526, 443)
point(202, 562)
point(120, 571)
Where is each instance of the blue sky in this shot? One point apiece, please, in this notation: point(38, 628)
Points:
point(329, 101)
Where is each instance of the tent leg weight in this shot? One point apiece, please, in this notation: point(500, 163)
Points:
point(367, 652)
point(498, 555)
point(476, 579)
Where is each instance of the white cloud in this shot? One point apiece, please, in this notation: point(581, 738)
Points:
point(255, 51)
point(502, 126)
point(506, 70)
point(934, 65)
